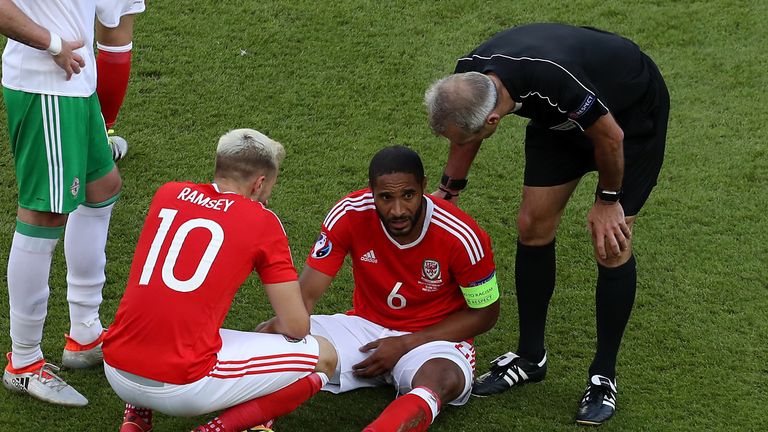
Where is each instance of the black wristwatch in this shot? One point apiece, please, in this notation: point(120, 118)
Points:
point(452, 183)
point(609, 195)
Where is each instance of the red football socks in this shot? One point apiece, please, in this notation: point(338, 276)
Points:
point(113, 66)
point(136, 419)
point(410, 412)
point(260, 410)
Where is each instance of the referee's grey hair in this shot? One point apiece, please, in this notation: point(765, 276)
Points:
point(244, 153)
point(464, 100)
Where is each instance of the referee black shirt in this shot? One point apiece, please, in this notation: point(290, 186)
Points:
point(564, 77)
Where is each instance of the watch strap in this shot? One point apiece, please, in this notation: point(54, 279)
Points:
point(453, 184)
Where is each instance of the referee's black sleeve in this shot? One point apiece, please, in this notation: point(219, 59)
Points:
point(566, 88)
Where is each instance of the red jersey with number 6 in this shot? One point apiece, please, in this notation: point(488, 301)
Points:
point(404, 287)
point(197, 247)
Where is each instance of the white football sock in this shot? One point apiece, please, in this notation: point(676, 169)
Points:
point(84, 241)
point(29, 265)
point(430, 397)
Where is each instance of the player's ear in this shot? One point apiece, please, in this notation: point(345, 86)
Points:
point(257, 184)
point(424, 184)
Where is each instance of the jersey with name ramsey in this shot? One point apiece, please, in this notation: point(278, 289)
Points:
point(405, 287)
point(197, 247)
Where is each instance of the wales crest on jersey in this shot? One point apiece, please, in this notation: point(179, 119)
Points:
point(431, 279)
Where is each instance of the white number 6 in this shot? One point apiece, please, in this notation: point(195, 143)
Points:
point(394, 295)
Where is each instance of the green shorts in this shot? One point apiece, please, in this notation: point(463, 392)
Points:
point(59, 145)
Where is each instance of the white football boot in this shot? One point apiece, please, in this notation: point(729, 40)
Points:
point(41, 382)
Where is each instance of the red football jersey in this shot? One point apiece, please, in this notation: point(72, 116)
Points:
point(196, 248)
point(404, 287)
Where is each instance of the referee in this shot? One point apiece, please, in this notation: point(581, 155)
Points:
point(595, 103)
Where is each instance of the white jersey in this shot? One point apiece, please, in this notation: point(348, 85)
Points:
point(34, 71)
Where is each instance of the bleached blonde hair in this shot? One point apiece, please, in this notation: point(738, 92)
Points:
point(244, 153)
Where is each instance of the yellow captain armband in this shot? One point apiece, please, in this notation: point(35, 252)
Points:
point(482, 293)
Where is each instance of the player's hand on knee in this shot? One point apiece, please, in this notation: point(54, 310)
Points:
point(68, 59)
point(386, 353)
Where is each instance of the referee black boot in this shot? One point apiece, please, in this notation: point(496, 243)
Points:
point(509, 370)
point(599, 401)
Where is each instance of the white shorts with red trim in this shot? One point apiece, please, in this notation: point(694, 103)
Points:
point(250, 365)
point(348, 333)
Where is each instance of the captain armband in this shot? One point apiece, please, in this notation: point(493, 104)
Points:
point(482, 293)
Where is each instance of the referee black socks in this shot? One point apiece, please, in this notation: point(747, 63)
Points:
point(534, 283)
point(614, 298)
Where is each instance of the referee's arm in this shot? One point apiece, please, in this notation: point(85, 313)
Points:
point(607, 222)
point(608, 139)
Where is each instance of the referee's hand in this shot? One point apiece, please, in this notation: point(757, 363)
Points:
point(610, 232)
point(450, 196)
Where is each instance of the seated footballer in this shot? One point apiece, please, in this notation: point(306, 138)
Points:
point(424, 287)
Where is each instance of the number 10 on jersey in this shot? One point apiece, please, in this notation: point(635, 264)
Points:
point(203, 267)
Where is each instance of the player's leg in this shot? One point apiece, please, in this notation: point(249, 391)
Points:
point(280, 394)
point(45, 173)
point(84, 246)
point(114, 42)
point(265, 409)
point(113, 63)
point(617, 277)
point(428, 377)
point(347, 334)
point(253, 370)
point(555, 161)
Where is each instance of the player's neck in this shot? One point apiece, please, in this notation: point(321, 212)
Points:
point(226, 185)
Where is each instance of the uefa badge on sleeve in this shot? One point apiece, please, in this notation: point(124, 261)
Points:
point(322, 246)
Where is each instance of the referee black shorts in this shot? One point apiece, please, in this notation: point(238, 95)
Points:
point(557, 157)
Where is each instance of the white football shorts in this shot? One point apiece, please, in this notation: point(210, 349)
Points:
point(348, 333)
point(109, 12)
point(250, 365)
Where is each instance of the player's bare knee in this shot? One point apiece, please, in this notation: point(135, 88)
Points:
point(328, 358)
point(442, 376)
point(38, 218)
point(104, 188)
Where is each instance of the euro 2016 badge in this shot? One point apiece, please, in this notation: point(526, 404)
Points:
point(322, 246)
point(431, 269)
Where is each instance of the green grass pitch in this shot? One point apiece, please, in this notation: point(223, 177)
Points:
point(336, 80)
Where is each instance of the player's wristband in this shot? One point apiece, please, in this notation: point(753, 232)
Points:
point(452, 183)
point(483, 293)
point(54, 48)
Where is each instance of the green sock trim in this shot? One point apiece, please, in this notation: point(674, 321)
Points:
point(38, 231)
point(103, 203)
